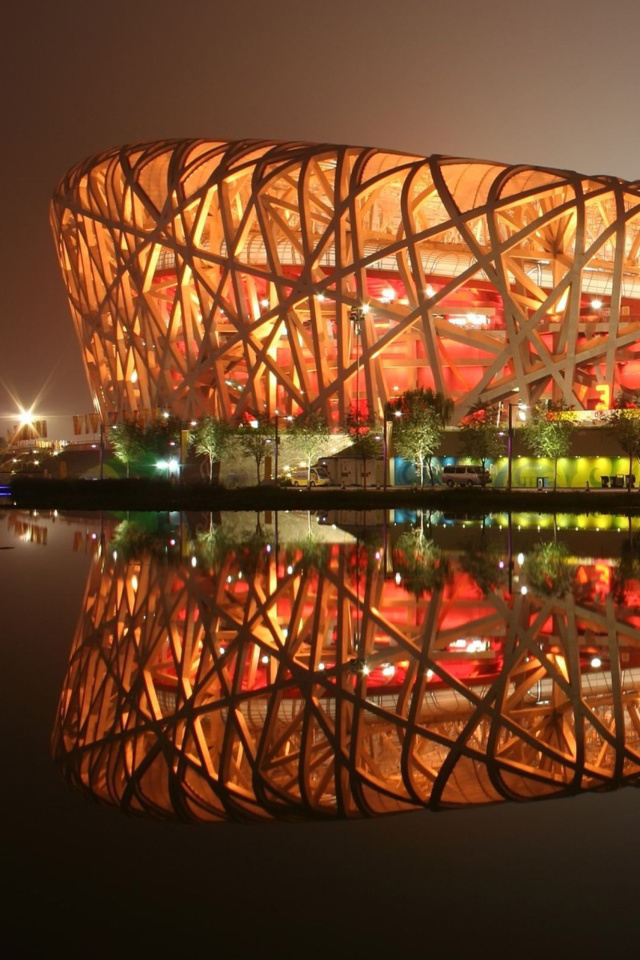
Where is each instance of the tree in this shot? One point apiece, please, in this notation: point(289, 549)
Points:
point(549, 570)
point(161, 441)
point(130, 540)
point(418, 432)
point(548, 433)
point(162, 436)
point(483, 561)
point(251, 551)
point(212, 546)
point(210, 438)
point(626, 428)
point(626, 571)
point(127, 440)
point(310, 435)
point(441, 405)
point(366, 432)
point(308, 552)
point(256, 438)
point(422, 565)
point(481, 438)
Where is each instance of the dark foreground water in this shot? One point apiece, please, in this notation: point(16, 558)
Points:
point(275, 700)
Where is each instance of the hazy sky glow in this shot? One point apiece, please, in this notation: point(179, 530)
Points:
point(552, 83)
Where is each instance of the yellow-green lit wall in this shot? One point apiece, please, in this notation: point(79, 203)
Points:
point(572, 471)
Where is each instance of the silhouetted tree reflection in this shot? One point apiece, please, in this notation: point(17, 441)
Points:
point(626, 575)
point(251, 550)
point(130, 539)
point(484, 564)
point(422, 565)
point(483, 561)
point(308, 552)
point(548, 570)
point(211, 546)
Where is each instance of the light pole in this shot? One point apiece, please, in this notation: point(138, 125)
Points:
point(510, 448)
point(385, 450)
point(357, 318)
point(386, 435)
point(521, 408)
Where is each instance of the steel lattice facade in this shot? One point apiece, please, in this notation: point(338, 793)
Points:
point(215, 277)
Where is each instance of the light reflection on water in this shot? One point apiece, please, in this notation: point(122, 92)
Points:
point(255, 672)
point(326, 666)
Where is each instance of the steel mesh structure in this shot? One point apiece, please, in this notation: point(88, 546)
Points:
point(282, 687)
point(215, 277)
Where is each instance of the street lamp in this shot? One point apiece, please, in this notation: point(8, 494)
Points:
point(26, 418)
point(172, 466)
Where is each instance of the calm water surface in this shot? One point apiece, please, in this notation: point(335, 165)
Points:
point(314, 674)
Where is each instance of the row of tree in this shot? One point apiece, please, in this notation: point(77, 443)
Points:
point(547, 432)
point(418, 416)
point(423, 414)
point(307, 437)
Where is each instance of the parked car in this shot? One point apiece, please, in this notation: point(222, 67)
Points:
point(319, 477)
point(466, 476)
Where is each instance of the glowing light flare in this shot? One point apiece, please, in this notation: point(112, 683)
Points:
point(26, 418)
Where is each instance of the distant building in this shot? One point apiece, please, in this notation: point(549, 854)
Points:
point(214, 277)
point(31, 433)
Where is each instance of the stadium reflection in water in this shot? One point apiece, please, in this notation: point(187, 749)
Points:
point(340, 680)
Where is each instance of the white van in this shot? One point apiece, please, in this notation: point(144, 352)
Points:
point(469, 475)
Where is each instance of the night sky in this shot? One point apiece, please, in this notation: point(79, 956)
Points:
point(552, 82)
